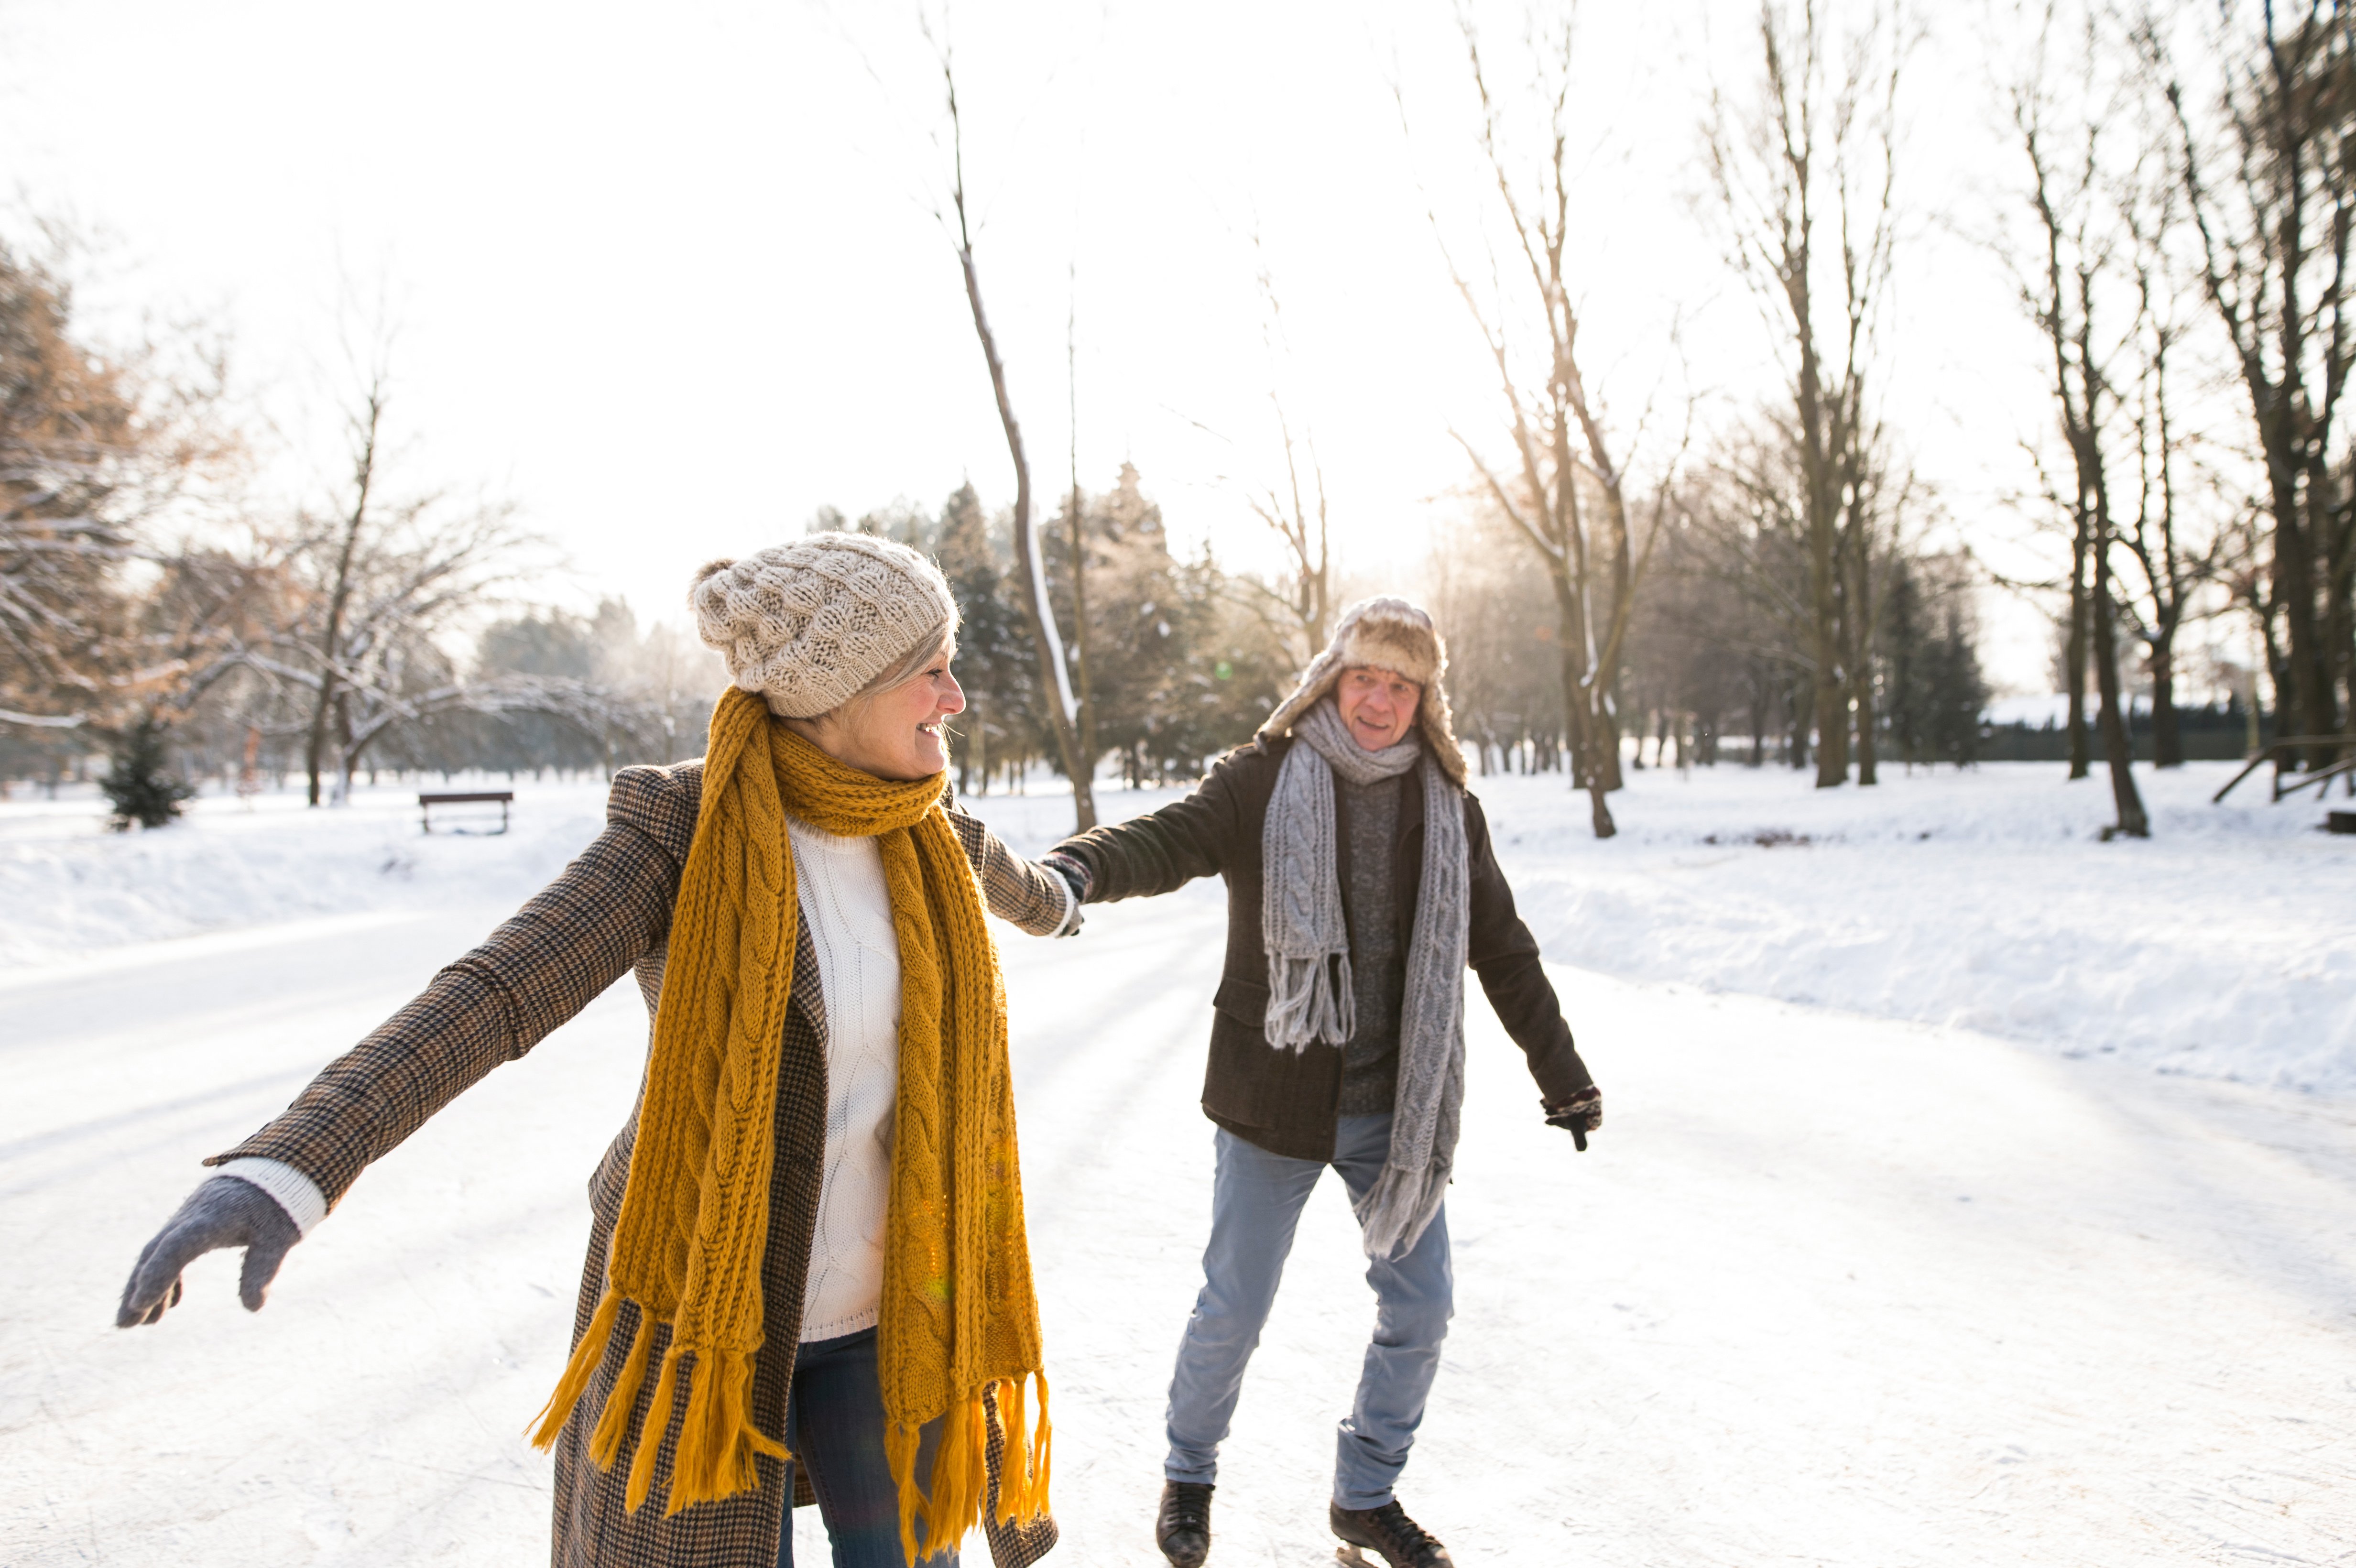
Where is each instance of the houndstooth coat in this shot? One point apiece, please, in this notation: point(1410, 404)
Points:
point(609, 914)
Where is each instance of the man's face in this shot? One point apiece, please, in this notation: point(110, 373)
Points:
point(1377, 704)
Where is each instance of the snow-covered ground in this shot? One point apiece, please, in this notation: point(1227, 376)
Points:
point(2224, 947)
point(1857, 1282)
point(69, 887)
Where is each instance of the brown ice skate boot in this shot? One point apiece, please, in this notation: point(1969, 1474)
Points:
point(1400, 1541)
point(1182, 1528)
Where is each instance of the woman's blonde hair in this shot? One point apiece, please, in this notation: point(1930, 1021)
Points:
point(938, 643)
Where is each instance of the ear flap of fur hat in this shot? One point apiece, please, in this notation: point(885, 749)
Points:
point(1390, 634)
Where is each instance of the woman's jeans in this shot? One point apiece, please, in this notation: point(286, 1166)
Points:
point(1255, 1200)
point(834, 1427)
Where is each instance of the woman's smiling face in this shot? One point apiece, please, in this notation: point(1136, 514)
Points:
point(895, 733)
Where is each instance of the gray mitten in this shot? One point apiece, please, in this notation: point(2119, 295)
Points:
point(224, 1212)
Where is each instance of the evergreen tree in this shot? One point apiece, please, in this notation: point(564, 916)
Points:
point(1935, 689)
point(996, 662)
point(140, 786)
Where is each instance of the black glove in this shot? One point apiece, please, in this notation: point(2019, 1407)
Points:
point(1579, 1116)
point(1072, 869)
point(223, 1211)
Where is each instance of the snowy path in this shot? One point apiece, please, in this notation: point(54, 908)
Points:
point(1828, 1290)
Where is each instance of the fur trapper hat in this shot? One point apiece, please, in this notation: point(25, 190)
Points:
point(1390, 634)
point(808, 624)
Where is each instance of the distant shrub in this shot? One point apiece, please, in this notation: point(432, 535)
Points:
point(140, 786)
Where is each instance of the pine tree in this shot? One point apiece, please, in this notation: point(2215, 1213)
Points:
point(996, 662)
point(1933, 670)
point(140, 786)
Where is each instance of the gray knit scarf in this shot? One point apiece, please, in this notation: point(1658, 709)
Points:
point(1309, 958)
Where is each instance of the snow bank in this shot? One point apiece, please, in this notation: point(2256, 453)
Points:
point(68, 886)
point(2225, 946)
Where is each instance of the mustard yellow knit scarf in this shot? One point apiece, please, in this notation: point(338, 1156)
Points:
point(959, 1320)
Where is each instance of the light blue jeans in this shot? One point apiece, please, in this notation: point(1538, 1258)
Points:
point(1255, 1200)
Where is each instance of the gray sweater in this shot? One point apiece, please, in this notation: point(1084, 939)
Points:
point(1377, 970)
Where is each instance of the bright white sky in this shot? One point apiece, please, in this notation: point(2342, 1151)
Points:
point(672, 279)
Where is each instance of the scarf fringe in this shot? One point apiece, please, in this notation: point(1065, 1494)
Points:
point(605, 1443)
point(642, 1464)
point(1399, 1207)
point(1310, 1000)
point(961, 1487)
point(577, 1371)
point(1021, 1493)
point(717, 1440)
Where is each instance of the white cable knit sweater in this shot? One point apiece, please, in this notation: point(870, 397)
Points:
point(849, 909)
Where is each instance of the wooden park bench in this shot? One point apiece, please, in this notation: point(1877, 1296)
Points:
point(2281, 754)
point(502, 798)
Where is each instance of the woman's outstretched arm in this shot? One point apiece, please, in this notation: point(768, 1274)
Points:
point(575, 937)
point(549, 960)
point(1017, 890)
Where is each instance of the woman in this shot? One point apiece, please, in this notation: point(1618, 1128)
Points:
point(807, 1271)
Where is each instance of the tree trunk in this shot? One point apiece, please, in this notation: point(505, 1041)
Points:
point(1080, 639)
point(2339, 600)
point(1056, 678)
point(1581, 748)
point(1861, 656)
point(2118, 747)
point(1832, 691)
point(1607, 742)
point(2073, 677)
point(2167, 736)
point(2309, 702)
point(2272, 649)
point(1580, 736)
point(1079, 556)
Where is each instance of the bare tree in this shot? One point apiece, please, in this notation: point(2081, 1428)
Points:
point(1306, 531)
point(1300, 601)
point(1751, 523)
point(1076, 518)
point(1306, 534)
point(96, 449)
point(1064, 710)
point(2078, 236)
point(1567, 493)
point(365, 425)
point(2267, 164)
point(1805, 176)
point(2176, 557)
point(339, 618)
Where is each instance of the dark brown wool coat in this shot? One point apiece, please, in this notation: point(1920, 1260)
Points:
point(1282, 1101)
point(607, 915)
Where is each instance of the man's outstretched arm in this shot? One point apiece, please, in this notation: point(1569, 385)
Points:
point(1161, 850)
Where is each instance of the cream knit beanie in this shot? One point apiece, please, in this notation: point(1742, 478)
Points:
point(808, 624)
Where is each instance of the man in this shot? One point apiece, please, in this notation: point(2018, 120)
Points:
point(1360, 885)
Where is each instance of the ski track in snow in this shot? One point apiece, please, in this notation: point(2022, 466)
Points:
point(1829, 1288)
